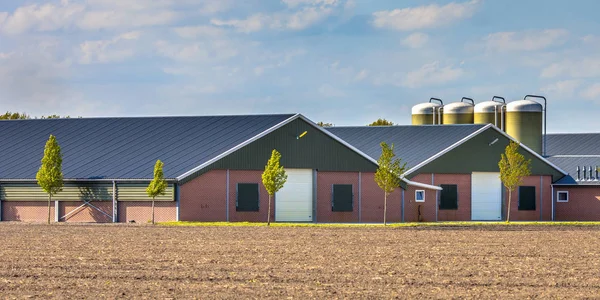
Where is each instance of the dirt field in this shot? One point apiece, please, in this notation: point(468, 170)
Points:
point(106, 261)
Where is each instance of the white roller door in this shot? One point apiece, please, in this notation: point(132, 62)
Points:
point(486, 196)
point(294, 202)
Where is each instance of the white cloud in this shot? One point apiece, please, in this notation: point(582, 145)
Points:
point(104, 51)
point(251, 24)
point(6, 55)
point(416, 40)
point(192, 32)
point(307, 17)
point(531, 40)
point(278, 61)
point(420, 17)
point(295, 3)
point(45, 17)
point(592, 92)
point(561, 88)
point(583, 68)
point(212, 51)
point(431, 74)
point(362, 75)
point(329, 91)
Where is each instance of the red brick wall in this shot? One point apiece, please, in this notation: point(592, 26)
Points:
point(543, 197)
point(325, 180)
point(30, 211)
point(204, 198)
point(411, 207)
point(372, 201)
point(86, 213)
point(141, 211)
point(463, 182)
point(235, 177)
point(583, 204)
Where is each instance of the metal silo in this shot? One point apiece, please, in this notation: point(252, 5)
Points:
point(427, 113)
point(490, 112)
point(524, 122)
point(459, 112)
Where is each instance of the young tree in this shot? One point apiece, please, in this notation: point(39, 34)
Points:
point(513, 167)
point(158, 185)
point(381, 122)
point(49, 176)
point(273, 178)
point(388, 173)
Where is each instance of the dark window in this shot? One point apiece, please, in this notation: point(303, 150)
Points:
point(342, 197)
point(449, 196)
point(247, 197)
point(527, 198)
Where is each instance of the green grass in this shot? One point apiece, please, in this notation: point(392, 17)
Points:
point(423, 224)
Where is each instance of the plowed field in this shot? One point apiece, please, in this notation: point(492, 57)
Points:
point(133, 261)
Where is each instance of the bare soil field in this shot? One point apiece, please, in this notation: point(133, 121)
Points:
point(133, 261)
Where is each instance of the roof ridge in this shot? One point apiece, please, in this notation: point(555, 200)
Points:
point(157, 117)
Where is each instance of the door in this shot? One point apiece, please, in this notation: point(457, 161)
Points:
point(486, 196)
point(294, 202)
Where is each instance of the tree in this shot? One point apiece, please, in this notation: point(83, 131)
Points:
point(273, 178)
point(388, 173)
point(158, 185)
point(50, 177)
point(381, 122)
point(513, 167)
point(14, 116)
point(322, 124)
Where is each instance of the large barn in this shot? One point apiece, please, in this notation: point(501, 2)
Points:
point(213, 165)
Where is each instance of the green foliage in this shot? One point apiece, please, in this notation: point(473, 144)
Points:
point(381, 122)
point(55, 117)
point(322, 124)
point(274, 177)
point(513, 167)
point(49, 176)
point(158, 185)
point(388, 173)
point(14, 116)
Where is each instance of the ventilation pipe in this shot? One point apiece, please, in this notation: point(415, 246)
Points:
point(578, 173)
point(502, 108)
point(596, 179)
point(439, 110)
point(467, 98)
point(584, 173)
point(545, 110)
point(591, 178)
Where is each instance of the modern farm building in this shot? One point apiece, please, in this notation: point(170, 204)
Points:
point(214, 163)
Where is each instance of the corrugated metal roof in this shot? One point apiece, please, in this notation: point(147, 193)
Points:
point(573, 144)
point(125, 148)
point(413, 144)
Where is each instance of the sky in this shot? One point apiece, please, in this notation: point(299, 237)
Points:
point(346, 62)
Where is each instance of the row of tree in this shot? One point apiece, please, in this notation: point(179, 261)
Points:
point(23, 116)
point(513, 168)
point(379, 122)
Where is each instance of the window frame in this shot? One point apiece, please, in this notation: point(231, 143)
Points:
point(534, 198)
point(441, 194)
point(333, 208)
point(237, 197)
point(417, 192)
point(558, 196)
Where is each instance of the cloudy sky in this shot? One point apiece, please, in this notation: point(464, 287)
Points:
point(347, 62)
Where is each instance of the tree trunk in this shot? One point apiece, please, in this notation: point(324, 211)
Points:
point(49, 201)
point(508, 210)
point(384, 209)
point(152, 210)
point(269, 213)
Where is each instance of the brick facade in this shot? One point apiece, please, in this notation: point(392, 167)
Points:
point(372, 202)
point(141, 211)
point(583, 204)
point(235, 177)
point(543, 203)
point(203, 198)
point(27, 211)
point(463, 182)
point(85, 213)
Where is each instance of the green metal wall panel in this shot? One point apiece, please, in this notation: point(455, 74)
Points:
point(315, 150)
point(482, 154)
point(70, 192)
point(137, 192)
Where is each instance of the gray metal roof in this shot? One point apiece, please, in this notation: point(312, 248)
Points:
point(125, 148)
point(571, 150)
point(573, 144)
point(413, 144)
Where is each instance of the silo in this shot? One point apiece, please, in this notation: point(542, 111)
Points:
point(524, 123)
point(427, 113)
point(459, 112)
point(490, 112)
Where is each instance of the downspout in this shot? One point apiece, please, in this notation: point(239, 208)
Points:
point(402, 206)
point(114, 201)
point(177, 201)
point(56, 211)
point(436, 197)
point(553, 209)
point(541, 198)
point(0, 208)
point(359, 196)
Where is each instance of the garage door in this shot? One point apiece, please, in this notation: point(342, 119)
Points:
point(294, 202)
point(486, 196)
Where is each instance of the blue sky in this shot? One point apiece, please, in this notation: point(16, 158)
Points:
point(347, 62)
